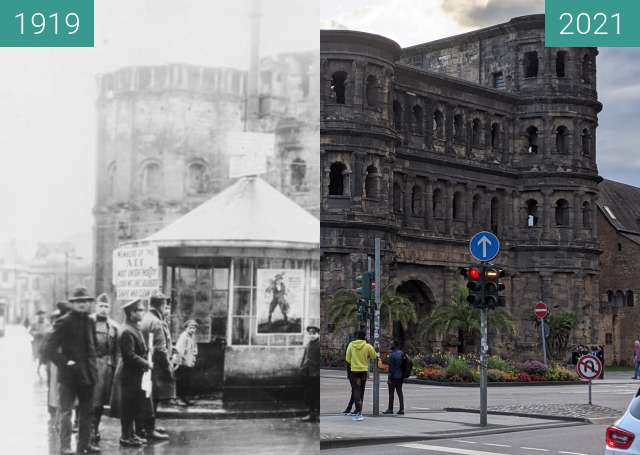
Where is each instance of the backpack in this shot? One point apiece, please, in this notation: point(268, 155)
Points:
point(406, 365)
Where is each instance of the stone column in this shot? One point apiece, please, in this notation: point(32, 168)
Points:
point(428, 212)
point(448, 212)
point(469, 209)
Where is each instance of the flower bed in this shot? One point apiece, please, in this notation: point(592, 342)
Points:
point(465, 369)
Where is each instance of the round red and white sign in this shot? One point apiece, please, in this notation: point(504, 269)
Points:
point(541, 310)
point(588, 367)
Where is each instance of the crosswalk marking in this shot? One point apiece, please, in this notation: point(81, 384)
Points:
point(571, 453)
point(495, 445)
point(465, 441)
point(534, 448)
point(448, 449)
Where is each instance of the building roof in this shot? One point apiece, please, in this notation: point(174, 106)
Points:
point(249, 213)
point(620, 204)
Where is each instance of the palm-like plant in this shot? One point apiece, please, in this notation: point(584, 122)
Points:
point(459, 318)
point(342, 309)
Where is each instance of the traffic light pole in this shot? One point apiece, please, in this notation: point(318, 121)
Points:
point(376, 337)
point(483, 366)
point(544, 342)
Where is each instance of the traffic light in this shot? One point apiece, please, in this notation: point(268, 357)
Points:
point(493, 287)
point(362, 310)
point(363, 283)
point(475, 281)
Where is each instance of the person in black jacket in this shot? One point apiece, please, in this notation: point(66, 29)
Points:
point(310, 368)
point(134, 363)
point(72, 348)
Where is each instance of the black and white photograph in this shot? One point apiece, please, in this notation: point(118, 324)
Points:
point(159, 249)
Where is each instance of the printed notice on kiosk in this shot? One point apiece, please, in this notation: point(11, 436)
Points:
point(136, 271)
point(46, 23)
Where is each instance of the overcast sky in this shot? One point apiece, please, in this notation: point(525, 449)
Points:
point(47, 96)
point(410, 22)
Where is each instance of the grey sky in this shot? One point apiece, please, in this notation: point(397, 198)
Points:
point(410, 22)
point(47, 96)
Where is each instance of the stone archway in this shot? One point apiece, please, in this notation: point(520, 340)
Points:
point(422, 297)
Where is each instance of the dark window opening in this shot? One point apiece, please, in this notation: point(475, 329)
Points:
point(586, 142)
point(398, 198)
point(495, 215)
point(532, 139)
point(298, 172)
point(495, 135)
point(498, 80)
point(532, 213)
point(629, 298)
point(586, 69)
point(417, 119)
point(197, 179)
point(336, 179)
point(371, 183)
point(372, 91)
point(531, 64)
point(475, 210)
point(562, 139)
point(608, 339)
point(416, 200)
point(397, 115)
point(561, 59)
point(338, 85)
point(457, 206)
point(475, 132)
point(619, 246)
point(562, 212)
point(437, 203)
point(458, 127)
point(438, 124)
point(586, 215)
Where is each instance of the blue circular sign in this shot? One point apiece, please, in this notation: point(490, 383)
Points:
point(484, 246)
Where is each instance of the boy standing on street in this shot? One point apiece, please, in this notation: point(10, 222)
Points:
point(359, 352)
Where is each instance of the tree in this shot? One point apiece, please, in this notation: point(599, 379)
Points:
point(459, 318)
point(560, 327)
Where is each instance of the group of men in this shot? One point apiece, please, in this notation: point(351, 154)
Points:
point(99, 362)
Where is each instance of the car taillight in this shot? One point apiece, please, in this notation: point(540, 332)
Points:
point(618, 438)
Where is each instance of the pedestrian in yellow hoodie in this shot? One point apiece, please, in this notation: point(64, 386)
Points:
point(359, 352)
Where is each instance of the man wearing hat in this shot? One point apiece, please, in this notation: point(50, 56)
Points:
point(162, 375)
point(128, 400)
point(72, 348)
point(310, 370)
point(107, 356)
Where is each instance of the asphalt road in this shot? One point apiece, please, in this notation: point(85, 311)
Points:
point(335, 392)
point(578, 440)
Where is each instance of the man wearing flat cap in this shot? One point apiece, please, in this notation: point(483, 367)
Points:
point(107, 357)
point(310, 370)
point(162, 374)
point(72, 348)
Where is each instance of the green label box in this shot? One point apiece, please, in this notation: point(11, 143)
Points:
point(592, 23)
point(46, 23)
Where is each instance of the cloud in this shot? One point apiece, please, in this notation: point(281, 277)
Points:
point(482, 13)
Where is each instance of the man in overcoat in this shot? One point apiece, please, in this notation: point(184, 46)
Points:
point(310, 369)
point(132, 402)
point(107, 357)
point(162, 374)
point(72, 348)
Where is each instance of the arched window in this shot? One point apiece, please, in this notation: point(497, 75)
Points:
point(610, 297)
point(475, 132)
point(371, 91)
point(397, 115)
point(416, 200)
point(437, 203)
point(586, 142)
point(561, 60)
point(562, 139)
point(531, 64)
point(438, 124)
point(417, 119)
point(336, 179)
point(495, 214)
point(532, 213)
point(111, 179)
point(196, 179)
point(398, 198)
point(338, 85)
point(495, 136)
point(457, 206)
point(532, 139)
point(151, 178)
point(371, 183)
point(629, 298)
point(586, 215)
point(562, 212)
point(586, 69)
point(298, 173)
point(458, 127)
point(475, 209)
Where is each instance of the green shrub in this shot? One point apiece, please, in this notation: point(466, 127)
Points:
point(458, 370)
point(495, 375)
point(557, 373)
point(495, 362)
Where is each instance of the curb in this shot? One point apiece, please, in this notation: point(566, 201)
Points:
point(379, 440)
point(523, 414)
point(491, 384)
point(220, 414)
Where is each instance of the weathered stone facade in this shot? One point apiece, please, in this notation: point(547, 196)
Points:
point(162, 142)
point(427, 145)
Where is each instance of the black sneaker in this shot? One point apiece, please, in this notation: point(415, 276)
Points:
point(130, 442)
point(401, 412)
point(388, 411)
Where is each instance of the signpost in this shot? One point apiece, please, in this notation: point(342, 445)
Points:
point(588, 368)
point(541, 312)
point(484, 246)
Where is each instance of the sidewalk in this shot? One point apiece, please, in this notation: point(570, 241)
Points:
point(341, 431)
point(213, 409)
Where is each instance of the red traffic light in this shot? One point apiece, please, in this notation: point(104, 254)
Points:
point(473, 273)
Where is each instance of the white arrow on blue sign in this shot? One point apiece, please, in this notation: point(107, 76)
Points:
point(484, 246)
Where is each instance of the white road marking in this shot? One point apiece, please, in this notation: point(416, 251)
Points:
point(571, 453)
point(464, 441)
point(447, 449)
point(495, 445)
point(533, 448)
point(422, 409)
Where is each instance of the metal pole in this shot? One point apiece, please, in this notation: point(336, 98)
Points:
point(369, 309)
point(589, 392)
point(544, 341)
point(483, 365)
point(376, 339)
